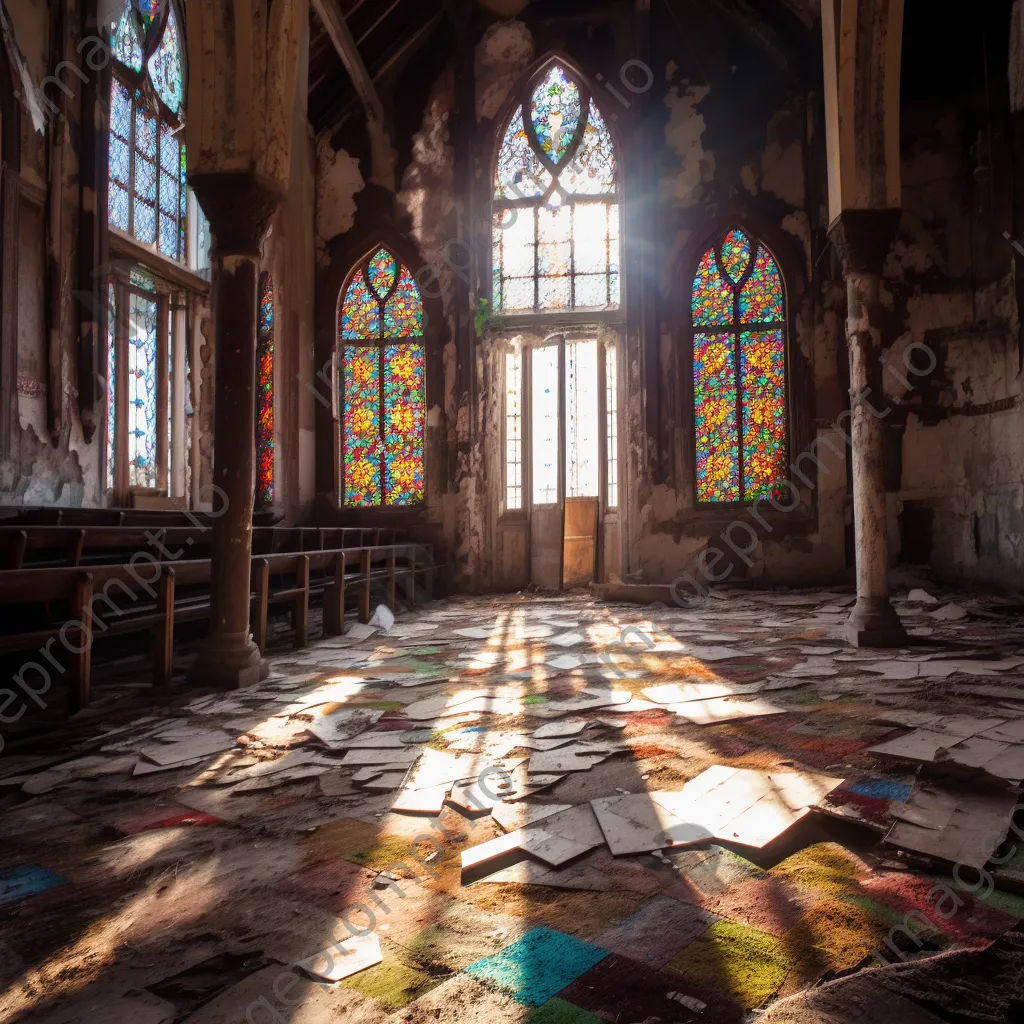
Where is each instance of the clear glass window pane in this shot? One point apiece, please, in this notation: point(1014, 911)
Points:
point(581, 419)
point(544, 396)
point(513, 431)
point(612, 414)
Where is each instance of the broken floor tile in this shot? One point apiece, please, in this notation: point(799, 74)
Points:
point(959, 825)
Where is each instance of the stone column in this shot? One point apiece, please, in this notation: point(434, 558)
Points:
point(862, 239)
point(239, 207)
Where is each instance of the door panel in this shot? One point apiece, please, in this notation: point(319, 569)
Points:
point(580, 546)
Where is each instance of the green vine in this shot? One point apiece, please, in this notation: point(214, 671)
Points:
point(483, 322)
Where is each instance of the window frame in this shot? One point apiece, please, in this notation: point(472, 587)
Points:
point(168, 301)
point(401, 256)
point(520, 98)
point(800, 430)
point(135, 81)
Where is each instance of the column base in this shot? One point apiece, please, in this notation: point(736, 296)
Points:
point(874, 623)
point(228, 661)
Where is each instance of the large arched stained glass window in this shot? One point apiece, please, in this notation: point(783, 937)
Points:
point(265, 394)
point(556, 213)
point(738, 307)
point(383, 380)
point(146, 194)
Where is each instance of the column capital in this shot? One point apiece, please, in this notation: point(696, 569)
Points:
point(862, 238)
point(239, 206)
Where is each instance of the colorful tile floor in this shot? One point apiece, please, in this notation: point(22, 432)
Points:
point(176, 896)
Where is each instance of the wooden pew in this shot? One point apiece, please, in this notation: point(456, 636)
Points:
point(51, 546)
point(172, 598)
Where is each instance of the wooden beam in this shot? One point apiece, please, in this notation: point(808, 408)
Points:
point(411, 43)
point(330, 13)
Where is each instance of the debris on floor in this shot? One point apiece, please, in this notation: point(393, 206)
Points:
point(518, 807)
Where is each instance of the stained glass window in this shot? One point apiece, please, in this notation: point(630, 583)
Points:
point(146, 186)
point(142, 390)
point(111, 385)
point(265, 395)
point(555, 242)
point(383, 384)
point(738, 313)
point(611, 409)
point(513, 430)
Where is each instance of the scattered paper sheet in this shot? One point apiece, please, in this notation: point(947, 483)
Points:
point(360, 631)
point(711, 712)
point(960, 826)
point(344, 959)
point(732, 804)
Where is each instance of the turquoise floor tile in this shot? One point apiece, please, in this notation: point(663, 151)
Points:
point(538, 965)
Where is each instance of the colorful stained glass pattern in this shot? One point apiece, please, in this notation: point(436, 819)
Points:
point(165, 64)
point(111, 385)
point(362, 438)
point(404, 404)
point(712, 300)
point(383, 385)
point(383, 269)
point(142, 391)
point(148, 10)
point(520, 173)
point(735, 255)
point(265, 395)
point(559, 250)
point(739, 375)
point(763, 379)
point(761, 298)
point(591, 171)
point(714, 413)
point(555, 112)
point(403, 312)
point(125, 41)
point(359, 315)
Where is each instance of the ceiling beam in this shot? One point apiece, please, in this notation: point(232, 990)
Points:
point(330, 13)
point(380, 21)
point(382, 158)
point(334, 118)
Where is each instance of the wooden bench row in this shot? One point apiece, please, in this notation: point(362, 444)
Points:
point(176, 595)
point(55, 546)
point(43, 515)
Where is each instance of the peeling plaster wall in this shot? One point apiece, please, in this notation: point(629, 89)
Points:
point(354, 213)
point(955, 461)
point(338, 179)
point(738, 143)
point(43, 470)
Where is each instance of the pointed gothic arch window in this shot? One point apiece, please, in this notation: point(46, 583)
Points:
point(383, 383)
point(146, 193)
point(738, 315)
point(555, 243)
point(265, 394)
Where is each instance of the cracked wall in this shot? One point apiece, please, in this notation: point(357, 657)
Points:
point(955, 457)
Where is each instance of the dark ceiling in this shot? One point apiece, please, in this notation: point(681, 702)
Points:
point(388, 34)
